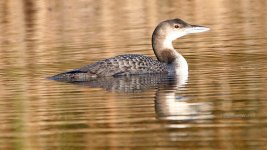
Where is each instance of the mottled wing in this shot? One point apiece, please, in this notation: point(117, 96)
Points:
point(120, 65)
point(125, 65)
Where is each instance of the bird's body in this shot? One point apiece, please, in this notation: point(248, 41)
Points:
point(129, 64)
point(169, 60)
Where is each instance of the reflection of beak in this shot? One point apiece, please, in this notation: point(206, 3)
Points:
point(196, 29)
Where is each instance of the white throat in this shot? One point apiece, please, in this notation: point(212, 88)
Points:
point(171, 37)
point(179, 66)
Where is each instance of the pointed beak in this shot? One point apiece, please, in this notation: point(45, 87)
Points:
point(196, 29)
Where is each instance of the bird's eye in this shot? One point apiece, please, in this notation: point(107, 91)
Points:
point(176, 26)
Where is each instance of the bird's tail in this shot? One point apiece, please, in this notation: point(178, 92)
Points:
point(72, 76)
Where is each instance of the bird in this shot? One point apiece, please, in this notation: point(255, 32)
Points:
point(169, 61)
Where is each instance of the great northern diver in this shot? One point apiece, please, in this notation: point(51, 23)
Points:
point(169, 60)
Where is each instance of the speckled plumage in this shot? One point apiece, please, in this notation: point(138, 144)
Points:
point(129, 64)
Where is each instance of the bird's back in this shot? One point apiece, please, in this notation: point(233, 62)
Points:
point(129, 64)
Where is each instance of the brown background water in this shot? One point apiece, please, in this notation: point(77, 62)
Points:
point(222, 106)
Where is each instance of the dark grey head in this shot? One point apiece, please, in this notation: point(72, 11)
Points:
point(175, 28)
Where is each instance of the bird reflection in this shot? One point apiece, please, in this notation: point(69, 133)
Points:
point(134, 83)
point(168, 104)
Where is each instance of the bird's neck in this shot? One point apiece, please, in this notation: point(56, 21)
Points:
point(165, 53)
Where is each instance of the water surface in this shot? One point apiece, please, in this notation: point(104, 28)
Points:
point(222, 105)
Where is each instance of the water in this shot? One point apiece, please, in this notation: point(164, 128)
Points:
point(222, 105)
